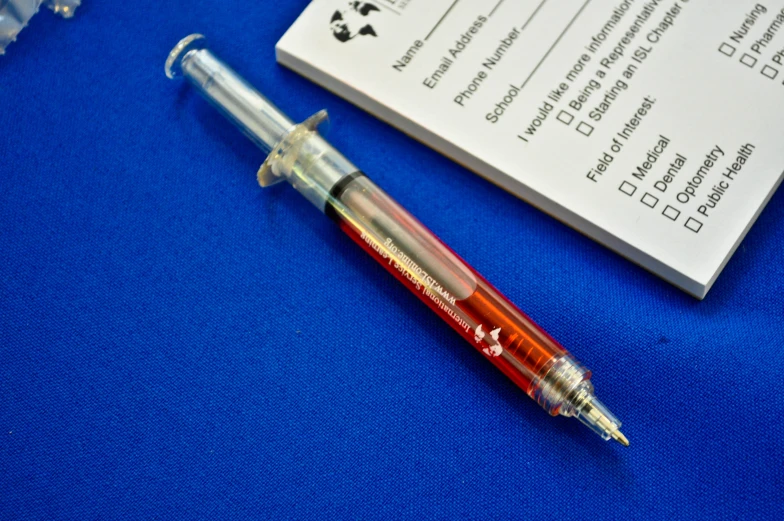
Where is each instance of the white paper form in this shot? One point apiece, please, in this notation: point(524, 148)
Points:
point(654, 127)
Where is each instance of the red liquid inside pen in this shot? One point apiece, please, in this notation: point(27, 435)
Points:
point(484, 317)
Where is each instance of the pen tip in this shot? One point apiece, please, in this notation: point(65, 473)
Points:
point(620, 438)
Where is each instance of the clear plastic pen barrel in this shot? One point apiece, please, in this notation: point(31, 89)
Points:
point(399, 242)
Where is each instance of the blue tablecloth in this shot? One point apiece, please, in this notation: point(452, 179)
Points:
point(176, 343)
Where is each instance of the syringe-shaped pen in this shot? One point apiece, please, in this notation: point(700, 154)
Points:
point(392, 236)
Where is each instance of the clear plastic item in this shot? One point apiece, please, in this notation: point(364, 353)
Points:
point(451, 288)
point(65, 8)
point(16, 14)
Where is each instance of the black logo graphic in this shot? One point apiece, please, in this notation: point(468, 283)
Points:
point(344, 23)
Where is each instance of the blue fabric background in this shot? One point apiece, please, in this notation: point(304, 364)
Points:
point(176, 343)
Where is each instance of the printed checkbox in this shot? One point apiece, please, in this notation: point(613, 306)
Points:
point(585, 129)
point(649, 200)
point(565, 118)
point(727, 49)
point(693, 225)
point(748, 60)
point(671, 213)
point(628, 188)
point(770, 72)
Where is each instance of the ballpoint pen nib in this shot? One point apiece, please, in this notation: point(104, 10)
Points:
point(595, 415)
point(620, 438)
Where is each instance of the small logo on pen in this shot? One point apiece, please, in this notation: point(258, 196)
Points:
point(493, 350)
point(352, 22)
